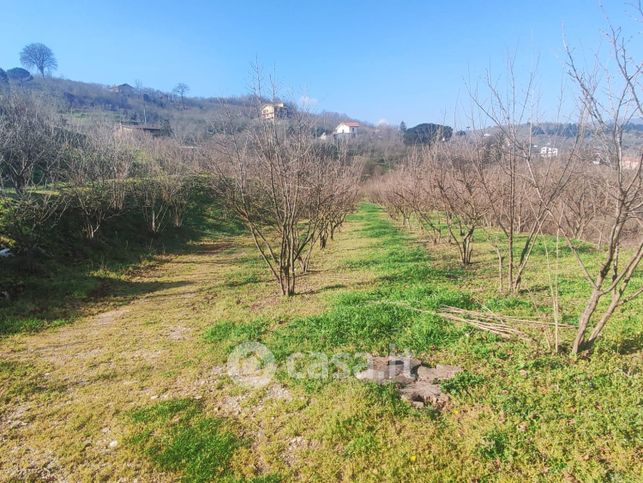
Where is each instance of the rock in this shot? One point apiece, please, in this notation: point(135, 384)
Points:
point(400, 370)
point(277, 391)
point(293, 451)
point(419, 385)
point(426, 393)
point(436, 374)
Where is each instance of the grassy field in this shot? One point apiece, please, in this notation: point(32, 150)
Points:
point(134, 383)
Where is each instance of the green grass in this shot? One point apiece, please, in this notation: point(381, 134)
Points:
point(226, 335)
point(69, 273)
point(371, 320)
point(520, 411)
point(18, 380)
point(179, 438)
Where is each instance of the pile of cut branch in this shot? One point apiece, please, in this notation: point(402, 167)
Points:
point(505, 326)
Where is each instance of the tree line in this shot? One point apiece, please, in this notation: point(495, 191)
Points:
point(501, 188)
point(290, 190)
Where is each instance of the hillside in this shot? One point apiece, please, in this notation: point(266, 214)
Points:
point(190, 118)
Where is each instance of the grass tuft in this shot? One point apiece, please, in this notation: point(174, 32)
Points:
point(177, 437)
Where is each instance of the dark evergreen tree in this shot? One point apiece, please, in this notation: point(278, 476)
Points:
point(4, 82)
point(18, 74)
point(427, 133)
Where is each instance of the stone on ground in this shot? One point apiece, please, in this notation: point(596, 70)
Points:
point(436, 374)
point(419, 385)
point(399, 370)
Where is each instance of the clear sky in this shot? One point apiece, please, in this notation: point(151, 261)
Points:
point(373, 60)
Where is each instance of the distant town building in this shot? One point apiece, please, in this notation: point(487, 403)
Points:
point(347, 128)
point(275, 110)
point(125, 89)
point(548, 152)
point(631, 162)
point(152, 129)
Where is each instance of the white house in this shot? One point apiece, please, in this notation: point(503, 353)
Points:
point(548, 152)
point(275, 110)
point(349, 128)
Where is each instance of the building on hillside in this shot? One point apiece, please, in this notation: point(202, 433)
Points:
point(347, 128)
point(548, 152)
point(631, 162)
point(124, 89)
point(274, 110)
point(151, 129)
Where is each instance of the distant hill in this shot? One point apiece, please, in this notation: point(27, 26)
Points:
point(562, 135)
point(190, 118)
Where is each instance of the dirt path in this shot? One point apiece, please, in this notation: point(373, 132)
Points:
point(81, 376)
point(62, 416)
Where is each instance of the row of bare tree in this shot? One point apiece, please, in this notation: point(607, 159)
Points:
point(501, 187)
point(51, 170)
point(291, 190)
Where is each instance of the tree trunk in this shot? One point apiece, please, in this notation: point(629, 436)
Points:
point(584, 320)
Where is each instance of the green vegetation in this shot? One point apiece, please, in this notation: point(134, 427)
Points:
point(518, 411)
point(17, 380)
point(155, 247)
point(523, 405)
point(177, 437)
point(379, 318)
point(55, 286)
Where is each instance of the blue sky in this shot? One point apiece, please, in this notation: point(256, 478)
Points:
point(371, 59)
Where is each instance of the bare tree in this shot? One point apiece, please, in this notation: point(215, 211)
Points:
point(278, 179)
point(460, 193)
point(437, 188)
point(30, 152)
point(96, 168)
point(609, 109)
point(29, 143)
point(520, 186)
point(38, 56)
point(264, 177)
point(181, 90)
point(163, 182)
point(335, 195)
